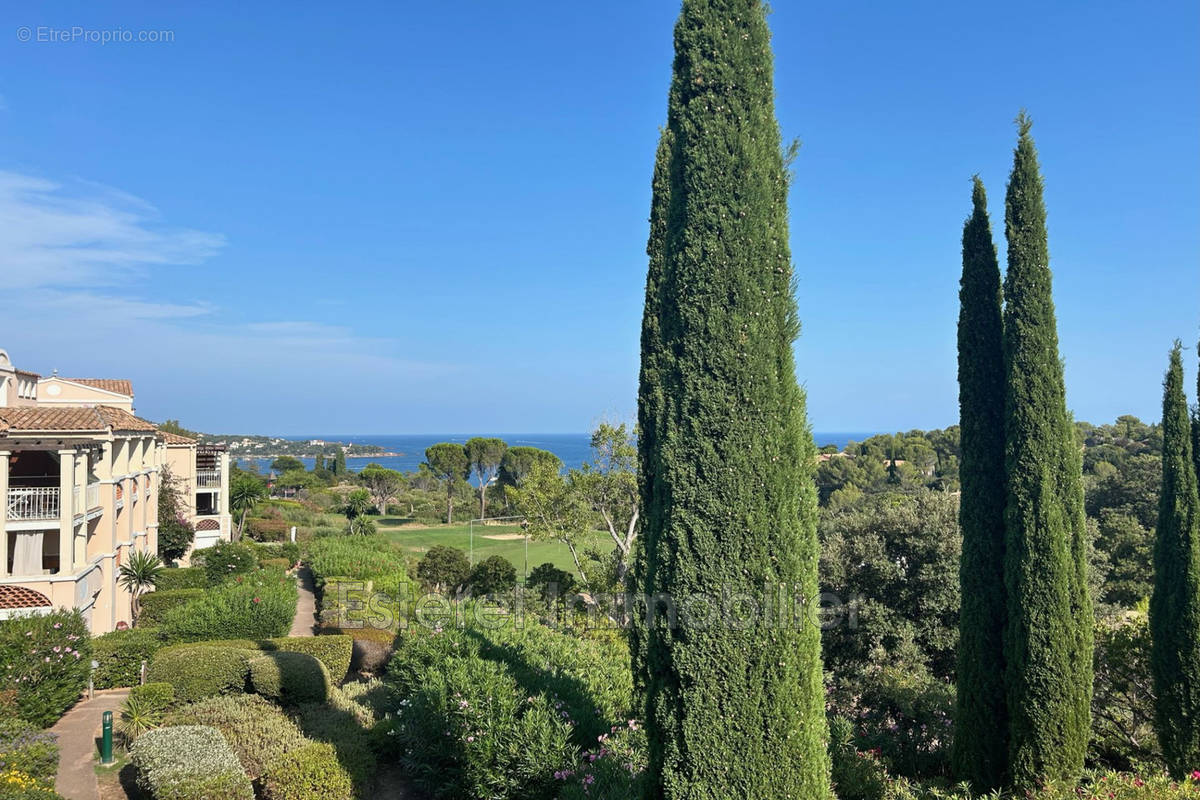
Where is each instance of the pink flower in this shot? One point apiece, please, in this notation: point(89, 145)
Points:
point(1196, 774)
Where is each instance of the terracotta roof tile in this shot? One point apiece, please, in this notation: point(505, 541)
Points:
point(121, 420)
point(14, 597)
point(117, 385)
point(175, 438)
point(85, 418)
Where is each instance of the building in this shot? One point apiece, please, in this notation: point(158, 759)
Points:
point(201, 473)
point(79, 488)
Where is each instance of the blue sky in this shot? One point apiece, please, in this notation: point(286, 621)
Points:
point(430, 217)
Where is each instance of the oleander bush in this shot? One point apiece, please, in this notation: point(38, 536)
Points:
point(199, 672)
point(289, 678)
point(613, 769)
point(155, 605)
point(174, 578)
point(17, 785)
point(258, 731)
point(189, 762)
point(26, 748)
point(225, 560)
point(120, 655)
point(333, 651)
point(46, 659)
point(470, 730)
point(254, 605)
point(311, 772)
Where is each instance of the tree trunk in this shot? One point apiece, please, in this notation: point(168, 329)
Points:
point(482, 499)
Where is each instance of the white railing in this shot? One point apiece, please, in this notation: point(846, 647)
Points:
point(208, 479)
point(33, 503)
point(93, 495)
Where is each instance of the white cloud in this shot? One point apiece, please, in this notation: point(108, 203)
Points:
point(86, 234)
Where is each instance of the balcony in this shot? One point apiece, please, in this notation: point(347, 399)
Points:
point(208, 479)
point(89, 495)
point(33, 503)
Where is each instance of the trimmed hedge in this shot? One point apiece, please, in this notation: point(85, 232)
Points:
point(199, 672)
point(334, 652)
point(258, 731)
point(310, 773)
point(26, 748)
point(372, 649)
point(189, 762)
point(120, 655)
point(343, 729)
point(155, 605)
point(256, 605)
point(159, 696)
point(275, 563)
point(225, 560)
point(290, 678)
point(46, 659)
point(174, 578)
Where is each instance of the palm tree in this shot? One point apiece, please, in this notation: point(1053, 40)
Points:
point(358, 503)
point(244, 494)
point(139, 576)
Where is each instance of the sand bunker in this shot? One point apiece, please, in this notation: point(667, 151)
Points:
point(504, 537)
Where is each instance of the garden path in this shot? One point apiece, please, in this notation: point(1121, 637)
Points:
point(77, 731)
point(305, 621)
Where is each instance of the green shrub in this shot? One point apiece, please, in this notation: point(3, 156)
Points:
point(333, 651)
point(342, 729)
point(357, 557)
point(181, 578)
point(372, 648)
point(256, 605)
point(225, 560)
point(258, 731)
point(444, 568)
point(276, 563)
point(614, 769)
point(199, 672)
point(189, 762)
point(144, 709)
point(46, 659)
point(493, 575)
point(16, 785)
point(267, 529)
point(120, 655)
point(310, 773)
point(470, 731)
point(25, 748)
point(155, 605)
point(290, 678)
point(856, 775)
point(550, 581)
point(160, 696)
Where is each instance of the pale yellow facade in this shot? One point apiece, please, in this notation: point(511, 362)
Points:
point(79, 488)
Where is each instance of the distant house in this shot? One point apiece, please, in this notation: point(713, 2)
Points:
point(203, 474)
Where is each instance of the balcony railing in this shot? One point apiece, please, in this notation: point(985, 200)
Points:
point(93, 496)
point(208, 479)
point(40, 502)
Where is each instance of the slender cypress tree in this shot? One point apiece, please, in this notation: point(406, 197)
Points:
point(1196, 421)
point(734, 699)
point(1175, 603)
point(654, 366)
point(1048, 635)
point(980, 751)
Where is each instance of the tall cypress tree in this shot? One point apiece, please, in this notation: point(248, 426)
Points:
point(981, 733)
point(655, 365)
point(1048, 635)
point(734, 699)
point(1175, 603)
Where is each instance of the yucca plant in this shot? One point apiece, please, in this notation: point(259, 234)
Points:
point(138, 715)
point(139, 576)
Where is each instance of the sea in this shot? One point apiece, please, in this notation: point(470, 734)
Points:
point(572, 448)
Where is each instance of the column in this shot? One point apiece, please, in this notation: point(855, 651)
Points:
point(80, 537)
point(4, 454)
point(66, 512)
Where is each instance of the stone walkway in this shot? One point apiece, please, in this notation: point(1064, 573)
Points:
point(305, 621)
point(77, 733)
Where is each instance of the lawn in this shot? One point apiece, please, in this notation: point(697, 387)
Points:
point(417, 539)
